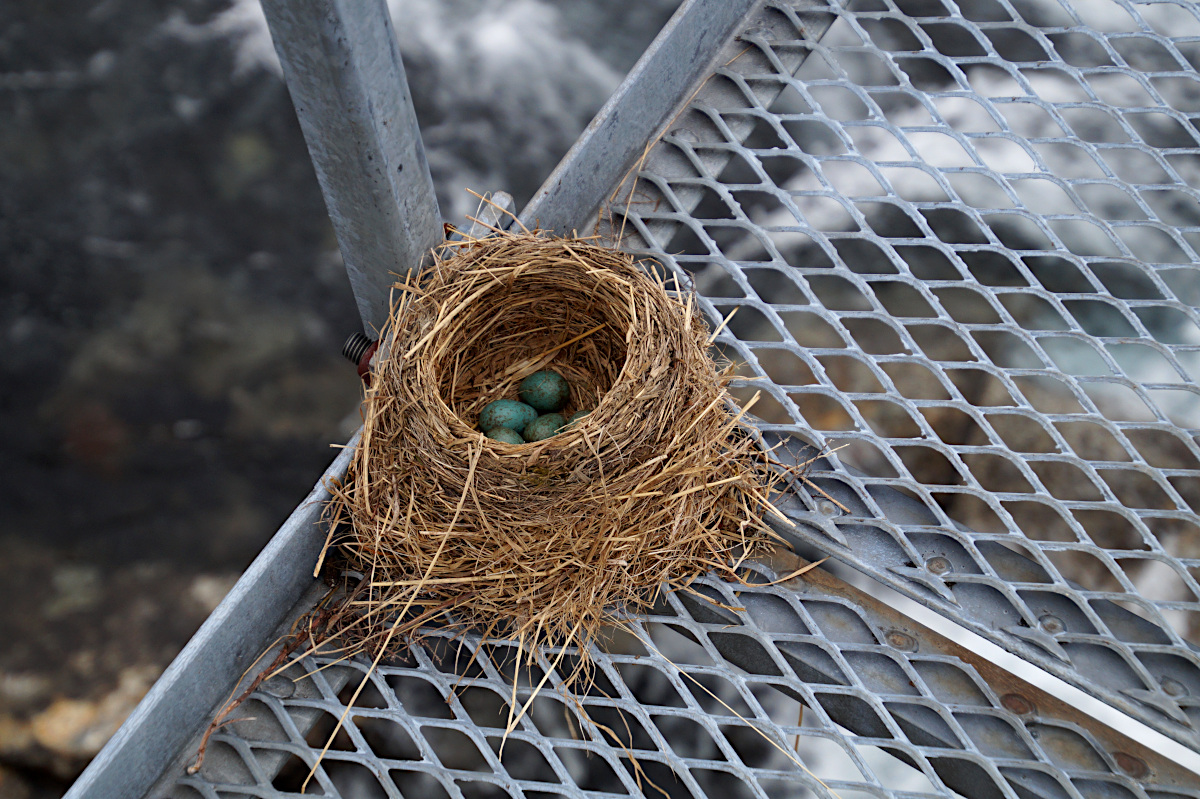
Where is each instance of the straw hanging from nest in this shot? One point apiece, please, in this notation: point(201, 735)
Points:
point(542, 542)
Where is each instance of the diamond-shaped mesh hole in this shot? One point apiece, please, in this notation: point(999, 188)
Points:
point(386, 738)
point(368, 695)
point(485, 707)
point(590, 771)
point(454, 749)
point(291, 776)
point(413, 784)
point(419, 697)
point(327, 731)
point(724, 783)
point(354, 779)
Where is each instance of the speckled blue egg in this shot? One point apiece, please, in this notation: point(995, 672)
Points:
point(505, 435)
point(575, 417)
point(544, 426)
point(547, 391)
point(506, 413)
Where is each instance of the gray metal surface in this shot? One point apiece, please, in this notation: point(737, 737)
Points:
point(496, 212)
point(864, 260)
point(342, 65)
point(699, 701)
point(961, 248)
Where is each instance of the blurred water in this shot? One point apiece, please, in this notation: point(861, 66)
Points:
point(502, 88)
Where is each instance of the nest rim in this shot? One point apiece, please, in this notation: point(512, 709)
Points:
point(730, 506)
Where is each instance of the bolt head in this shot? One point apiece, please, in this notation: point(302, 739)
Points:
point(938, 565)
point(1133, 766)
point(1173, 688)
point(901, 641)
point(826, 508)
point(1052, 624)
point(279, 686)
point(1016, 703)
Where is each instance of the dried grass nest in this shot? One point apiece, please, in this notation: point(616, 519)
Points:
point(543, 542)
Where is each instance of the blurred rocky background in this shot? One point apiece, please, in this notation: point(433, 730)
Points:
point(172, 304)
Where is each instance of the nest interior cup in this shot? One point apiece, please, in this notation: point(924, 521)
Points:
point(546, 541)
point(520, 327)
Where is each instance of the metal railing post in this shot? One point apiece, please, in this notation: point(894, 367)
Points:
point(342, 66)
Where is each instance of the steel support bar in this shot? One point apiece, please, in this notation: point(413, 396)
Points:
point(342, 65)
point(656, 87)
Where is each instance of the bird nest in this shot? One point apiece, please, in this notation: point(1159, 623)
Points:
point(544, 542)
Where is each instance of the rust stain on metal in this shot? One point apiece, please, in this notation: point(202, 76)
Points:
point(1017, 703)
point(938, 565)
point(1133, 766)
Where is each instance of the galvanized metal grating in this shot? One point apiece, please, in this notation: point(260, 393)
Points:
point(904, 342)
point(962, 246)
point(695, 725)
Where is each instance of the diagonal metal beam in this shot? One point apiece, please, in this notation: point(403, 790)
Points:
point(675, 62)
point(342, 65)
point(700, 36)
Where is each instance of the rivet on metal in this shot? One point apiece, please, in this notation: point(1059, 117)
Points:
point(938, 565)
point(1133, 766)
point(901, 641)
point(1173, 687)
point(826, 508)
point(1052, 624)
point(1016, 703)
point(279, 686)
point(757, 32)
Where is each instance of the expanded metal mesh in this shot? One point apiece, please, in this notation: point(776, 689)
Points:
point(669, 708)
point(960, 244)
point(961, 247)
